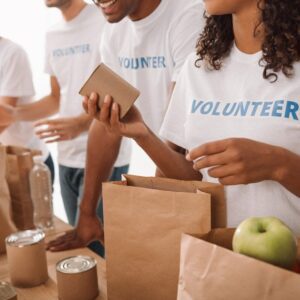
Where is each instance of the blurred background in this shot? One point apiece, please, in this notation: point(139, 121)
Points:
point(26, 22)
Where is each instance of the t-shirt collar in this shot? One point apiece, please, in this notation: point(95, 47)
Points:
point(149, 20)
point(238, 55)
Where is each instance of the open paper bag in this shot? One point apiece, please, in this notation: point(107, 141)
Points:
point(19, 162)
point(6, 224)
point(143, 221)
point(209, 270)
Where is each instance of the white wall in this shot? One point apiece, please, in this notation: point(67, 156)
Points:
point(25, 22)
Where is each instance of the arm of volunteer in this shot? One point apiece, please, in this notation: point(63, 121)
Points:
point(288, 171)
point(100, 160)
point(7, 105)
point(168, 157)
point(63, 129)
point(242, 161)
point(45, 107)
point(172, 163)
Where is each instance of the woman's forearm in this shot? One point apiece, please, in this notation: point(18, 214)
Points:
point(288, 171)
point(171, 163)
point(43, 108)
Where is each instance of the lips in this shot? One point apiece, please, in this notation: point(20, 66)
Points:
point(108, 4)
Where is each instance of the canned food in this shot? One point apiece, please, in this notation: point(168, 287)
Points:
point(77, 278)
point(26, 256)
point(25, 238)
point(76, 264)
point(7, 292)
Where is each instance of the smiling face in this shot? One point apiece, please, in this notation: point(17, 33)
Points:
point(116, 10)
point(224, 7)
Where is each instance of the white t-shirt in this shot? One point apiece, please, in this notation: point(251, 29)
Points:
point(237, 102)
point(149, 53)
point(16, 81)
point(72, 53)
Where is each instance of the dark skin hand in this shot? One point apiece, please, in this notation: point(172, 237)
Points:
point(81, 237)
point(242, 161)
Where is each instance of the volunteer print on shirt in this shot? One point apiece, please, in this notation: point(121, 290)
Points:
point(237, 102)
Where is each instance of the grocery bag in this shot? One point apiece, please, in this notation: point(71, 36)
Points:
point(19, 163)
point(143, 221)
point(209, 270)
point(6, 224)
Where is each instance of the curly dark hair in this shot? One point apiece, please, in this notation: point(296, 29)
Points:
point(281, 45)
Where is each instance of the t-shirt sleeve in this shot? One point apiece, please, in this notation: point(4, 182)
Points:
point(184, 34)
point(107, 49)
point(16, 78)
point(173, 127)
point(47, 58)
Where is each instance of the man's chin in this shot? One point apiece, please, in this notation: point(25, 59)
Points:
point(113, 18)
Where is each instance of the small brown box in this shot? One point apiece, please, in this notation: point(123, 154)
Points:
point(104, 82)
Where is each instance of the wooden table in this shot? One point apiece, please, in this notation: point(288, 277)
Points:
point(48, 291)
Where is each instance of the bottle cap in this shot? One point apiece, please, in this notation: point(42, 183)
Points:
point(38, 159)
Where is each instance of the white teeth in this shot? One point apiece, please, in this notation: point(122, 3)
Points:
point(107, 4)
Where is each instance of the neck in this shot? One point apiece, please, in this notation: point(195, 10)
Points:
point(248, 35)
point(72, 9)
point(144, 9)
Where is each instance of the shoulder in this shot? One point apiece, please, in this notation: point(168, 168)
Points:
point(92, 14)
point(189, 65)
point(12, 50)
point(187, 11)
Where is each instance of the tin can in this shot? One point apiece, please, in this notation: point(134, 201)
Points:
point(7, 292)
point(26, 256)
point(77, 278)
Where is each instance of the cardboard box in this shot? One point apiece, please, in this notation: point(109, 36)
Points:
point(209, 270)
point(104, 82)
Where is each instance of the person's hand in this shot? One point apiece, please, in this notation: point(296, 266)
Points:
point(89, 229)
point(6, 115)
point(90, 105)
point(131, 125)
point(237, 160)
point(57, 130)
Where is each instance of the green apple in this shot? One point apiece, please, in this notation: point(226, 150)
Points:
point(267, 239)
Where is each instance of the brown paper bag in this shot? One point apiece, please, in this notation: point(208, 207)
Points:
point(19, 162)
point(218, 203)
point(6, 225)
point(143, 221)
point(211, 272)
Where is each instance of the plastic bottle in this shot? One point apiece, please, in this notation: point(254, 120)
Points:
point(41, 194)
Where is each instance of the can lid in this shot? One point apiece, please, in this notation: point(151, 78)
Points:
point(75, 264)
point(25, 238)
point(7, 292)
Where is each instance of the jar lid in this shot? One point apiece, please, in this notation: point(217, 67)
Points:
point(7, 292)
point(76, 264)
point(25, 238)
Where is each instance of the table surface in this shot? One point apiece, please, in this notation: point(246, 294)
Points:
point(48, 291)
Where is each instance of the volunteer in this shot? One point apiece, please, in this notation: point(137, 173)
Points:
point(235, 109)
point(16, 88)
point(146, 45)
point(72, 53)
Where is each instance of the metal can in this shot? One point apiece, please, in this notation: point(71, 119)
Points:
point(77, 278)
point(7, 292)
point(26, 256)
